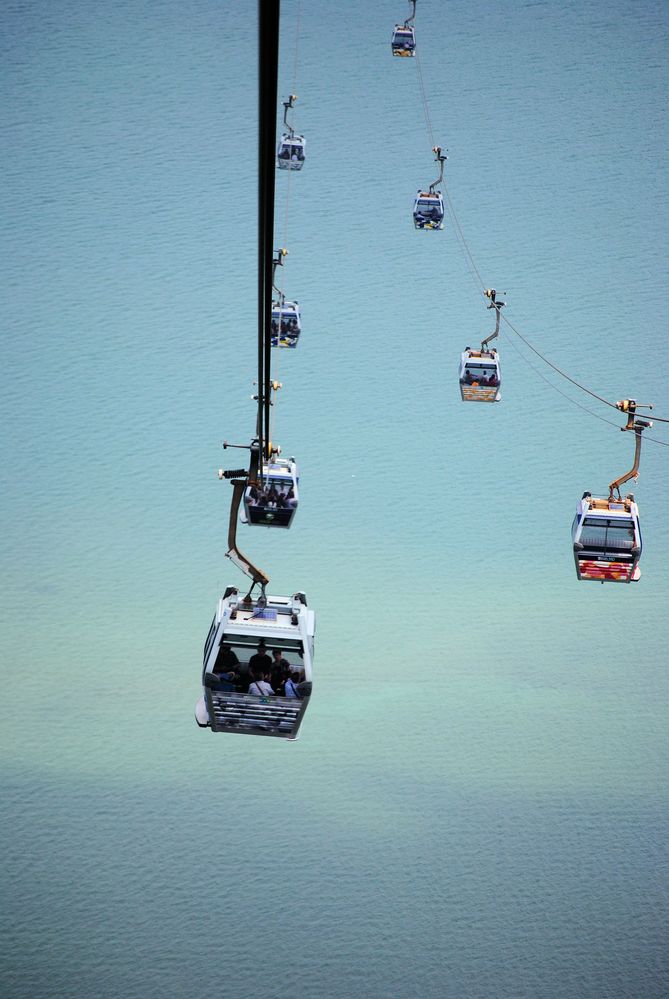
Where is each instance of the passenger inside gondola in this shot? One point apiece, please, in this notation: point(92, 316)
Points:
point(403, 40)
point(278, 495)
point(480, 375)
point(257, 674)
point(285, 323)
point(428, 213)
point(226, 660)
point(291, 151)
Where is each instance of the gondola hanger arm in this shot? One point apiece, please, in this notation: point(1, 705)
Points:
point(440, 158)
point(233, 552)
point(287, 106)
point(630, 407)
point(496, 305)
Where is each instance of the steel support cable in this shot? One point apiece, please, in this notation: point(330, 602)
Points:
point(284, 241)
point(458, 228)
point(426, 107)
point(555, 367)
point(268, 13)
point(472, 263)
point(469, 257)
point(564, 395)
point(297, 44)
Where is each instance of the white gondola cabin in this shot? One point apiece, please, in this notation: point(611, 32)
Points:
point(273, 501)
point(291, 151)
point(428, 210)
point(480, 376)
point(286, 324)
point(403, 41)
point(246, 688)
point(607, 539)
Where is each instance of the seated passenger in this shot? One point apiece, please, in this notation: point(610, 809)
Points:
point(290, 686)
point(225, 660)
point(243, 678)
point(260, 687)
point(280, 667)
point(227, 681)
point(260, 662)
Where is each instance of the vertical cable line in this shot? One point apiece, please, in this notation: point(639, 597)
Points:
point(284, 238)
point(268, 54)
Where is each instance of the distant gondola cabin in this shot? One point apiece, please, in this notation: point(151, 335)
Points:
point(480, 376)
point(286, 324)
point(428, 210)
point(291, 152)
point(403, 41)
point(273, 500)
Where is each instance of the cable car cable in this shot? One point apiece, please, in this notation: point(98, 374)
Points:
point(564, 395)
point(268, 72)
point(286, 212)
point(471, 263)
point(573, 381)
point(426, 107)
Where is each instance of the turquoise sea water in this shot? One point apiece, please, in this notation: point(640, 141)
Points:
point(477, 805)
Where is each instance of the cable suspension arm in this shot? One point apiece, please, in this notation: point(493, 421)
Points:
point(410, 19)
point(278, 262)
point(233, 552)
point(629, 406)
point(494, 304)
point(287, 105)
point(440, 158)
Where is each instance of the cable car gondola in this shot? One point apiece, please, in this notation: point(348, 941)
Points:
point(606, 533)
point(235, 696)
point(286, 323)
point(291, 149)
point(480, 376)
point(428, 206)
point(403, 41)
point(273, 499)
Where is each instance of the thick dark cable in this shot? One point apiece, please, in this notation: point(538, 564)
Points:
point(268, 53)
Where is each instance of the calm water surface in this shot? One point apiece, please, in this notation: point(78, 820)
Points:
point(477, 806)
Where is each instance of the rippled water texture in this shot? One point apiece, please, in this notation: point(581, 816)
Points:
point(477, 806)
